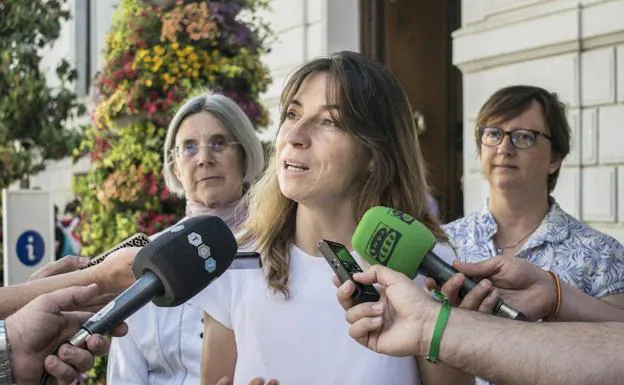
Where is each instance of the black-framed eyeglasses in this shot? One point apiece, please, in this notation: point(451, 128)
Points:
point(520, 139)
point(190, 148)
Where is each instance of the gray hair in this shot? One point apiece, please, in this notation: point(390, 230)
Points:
point(233, 119)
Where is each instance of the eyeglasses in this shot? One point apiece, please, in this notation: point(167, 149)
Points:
point(520, 139)
point(191, 148)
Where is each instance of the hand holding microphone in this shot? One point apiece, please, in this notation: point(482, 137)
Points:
point(397, 240)
point(170, 270)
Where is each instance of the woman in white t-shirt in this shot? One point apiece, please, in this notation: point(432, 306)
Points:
point(346, 142)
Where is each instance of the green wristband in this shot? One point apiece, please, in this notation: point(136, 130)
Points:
point(440, 325)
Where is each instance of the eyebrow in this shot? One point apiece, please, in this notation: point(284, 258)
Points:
point(325, 107)
point(211, 138)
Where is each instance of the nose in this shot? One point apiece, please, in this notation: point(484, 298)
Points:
point(205, 157)
point(505, 147)
point(298, 134)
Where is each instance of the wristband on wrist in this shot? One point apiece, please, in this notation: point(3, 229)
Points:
point(557, 306)
point(440, 325)
point(6, 376)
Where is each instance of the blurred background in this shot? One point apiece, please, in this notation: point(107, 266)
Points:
point(449, 54)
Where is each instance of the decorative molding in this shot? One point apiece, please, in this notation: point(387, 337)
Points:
point(589, 137)
point(562, 28)
point(574, 120)
point(518, 56)
point(599, 204)
point(505, 17)
point(598, 76)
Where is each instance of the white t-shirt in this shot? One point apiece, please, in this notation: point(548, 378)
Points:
point(301, 340)
point(163, 346)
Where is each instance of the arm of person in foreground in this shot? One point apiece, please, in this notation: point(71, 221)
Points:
point(113, 275)
point(429, 373)
point(45, 323)
point(527, 288)
point(497, 349)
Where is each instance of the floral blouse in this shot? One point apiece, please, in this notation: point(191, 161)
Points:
point(581, 255)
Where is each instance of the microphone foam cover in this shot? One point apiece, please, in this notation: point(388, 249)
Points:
point(187, 257)
point(392, 238)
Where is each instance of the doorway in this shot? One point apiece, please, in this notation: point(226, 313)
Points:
point(413, 39)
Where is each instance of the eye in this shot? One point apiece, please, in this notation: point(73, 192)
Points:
point(291, 115)
point(492, 133)
point(189, 148)
point(523, 136)
point(217, 144)
point(328, 123)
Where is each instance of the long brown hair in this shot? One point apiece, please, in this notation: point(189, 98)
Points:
point(373, 108)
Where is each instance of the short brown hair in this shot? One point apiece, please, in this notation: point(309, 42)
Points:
point(375, 111)
point(510, 102)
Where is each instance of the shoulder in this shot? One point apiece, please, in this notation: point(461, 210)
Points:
point(462, 225)
point(589, 237)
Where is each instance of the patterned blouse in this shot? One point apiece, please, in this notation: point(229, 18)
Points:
point(581, 255)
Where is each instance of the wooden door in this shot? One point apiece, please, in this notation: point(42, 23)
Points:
point(413, 39)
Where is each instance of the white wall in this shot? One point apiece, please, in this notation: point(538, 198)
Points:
point(305, 29)
point(58, 174)
point(572, 47)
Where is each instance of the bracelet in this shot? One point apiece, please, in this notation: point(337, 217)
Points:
point(555, 311)
point(440, 325)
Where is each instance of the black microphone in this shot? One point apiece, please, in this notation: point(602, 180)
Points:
point(170, 270)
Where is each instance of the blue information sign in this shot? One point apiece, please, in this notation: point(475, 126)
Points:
point(30, 247)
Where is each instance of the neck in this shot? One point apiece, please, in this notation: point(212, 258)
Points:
point(335, 223)
point(232, 213)
point(517, 213)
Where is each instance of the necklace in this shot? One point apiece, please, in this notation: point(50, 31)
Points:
point(499, 250)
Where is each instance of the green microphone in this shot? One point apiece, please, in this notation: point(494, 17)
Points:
point(397, 240)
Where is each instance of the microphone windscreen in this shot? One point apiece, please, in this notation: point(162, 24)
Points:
point(187, 257)
point(392, 238)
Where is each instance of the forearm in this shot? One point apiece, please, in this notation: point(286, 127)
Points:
point(440, 374)
point(513, 352)
point(578, 306)
point(15, 297)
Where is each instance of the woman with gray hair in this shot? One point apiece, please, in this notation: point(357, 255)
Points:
point(211, 157)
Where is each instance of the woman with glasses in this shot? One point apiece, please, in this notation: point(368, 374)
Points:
point(522, 138)
point(211, 155)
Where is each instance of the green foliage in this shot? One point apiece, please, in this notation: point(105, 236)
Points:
point(155, 58)
point(34, 116)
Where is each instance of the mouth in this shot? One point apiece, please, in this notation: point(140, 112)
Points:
point(505, 166)
point(209, 179)
point(295, 166)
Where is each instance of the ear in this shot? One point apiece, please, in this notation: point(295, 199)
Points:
point(371, 166)
point(555, 164)
point(174, 168)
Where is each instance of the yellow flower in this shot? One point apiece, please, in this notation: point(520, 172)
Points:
point(157, 66)
point(195, 73)
point(158, 50)
point(175, 46)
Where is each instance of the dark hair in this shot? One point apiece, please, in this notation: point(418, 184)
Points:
point(510, 102)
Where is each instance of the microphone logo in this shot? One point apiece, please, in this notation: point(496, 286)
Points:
point(406, 218)
point(383, 242)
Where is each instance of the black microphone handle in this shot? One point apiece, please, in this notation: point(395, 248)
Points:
point(436, 268)
point(122, 307)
